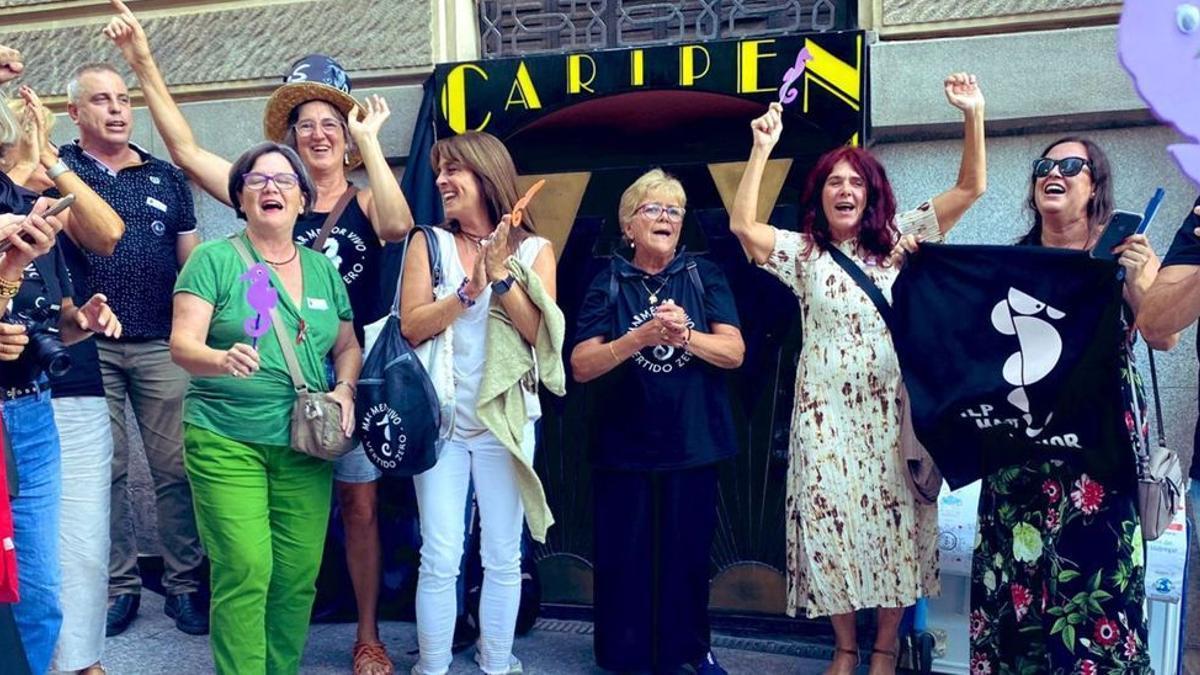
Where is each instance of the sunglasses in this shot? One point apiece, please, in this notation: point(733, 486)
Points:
point(1067, 166)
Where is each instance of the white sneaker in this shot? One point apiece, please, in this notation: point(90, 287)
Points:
point(514, 664)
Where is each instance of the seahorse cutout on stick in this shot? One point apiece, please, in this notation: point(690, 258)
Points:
point(788, 92)
point(262, 299)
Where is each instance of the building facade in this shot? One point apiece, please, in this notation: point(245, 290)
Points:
point(1048, 68)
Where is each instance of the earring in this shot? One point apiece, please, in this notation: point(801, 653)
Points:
point(346, 159)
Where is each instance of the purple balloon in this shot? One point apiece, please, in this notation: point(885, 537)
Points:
point(1158, 42)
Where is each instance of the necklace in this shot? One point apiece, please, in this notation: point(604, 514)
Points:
point(478, 241)
point(653, 294)
point(295, 252)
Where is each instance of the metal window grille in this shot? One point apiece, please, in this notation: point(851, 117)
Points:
point(523, 27)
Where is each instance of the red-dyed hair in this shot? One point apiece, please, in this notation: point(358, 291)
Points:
point(877, 232)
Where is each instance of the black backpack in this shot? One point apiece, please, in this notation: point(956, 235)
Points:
point(398, 412)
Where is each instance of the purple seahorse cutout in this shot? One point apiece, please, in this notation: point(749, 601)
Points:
point(262, 298)
point(788, 92)
point(1159, 44)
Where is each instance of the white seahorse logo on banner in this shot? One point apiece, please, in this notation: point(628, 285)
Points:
point(1040, 348)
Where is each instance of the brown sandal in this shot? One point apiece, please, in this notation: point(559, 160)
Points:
point(852, 652)
point(890, 653)
point(371, 658)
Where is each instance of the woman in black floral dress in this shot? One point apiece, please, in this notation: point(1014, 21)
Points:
point(1058, 580)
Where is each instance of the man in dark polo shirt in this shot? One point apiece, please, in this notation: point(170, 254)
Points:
point(1171, 305)
point(155, 201)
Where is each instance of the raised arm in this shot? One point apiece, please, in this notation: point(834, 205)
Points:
point(757, 238)
point(208, 170)
point(963, 92)
point(386, 206)
point(90, 222)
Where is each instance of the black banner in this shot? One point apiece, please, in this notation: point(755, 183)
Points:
point(1012, 353)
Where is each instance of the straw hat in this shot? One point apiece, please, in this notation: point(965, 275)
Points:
point(315, 77)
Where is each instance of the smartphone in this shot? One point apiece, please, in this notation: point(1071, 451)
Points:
point(1122, 225)
point(59, 206)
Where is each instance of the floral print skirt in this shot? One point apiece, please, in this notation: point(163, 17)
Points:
point(1058, 578)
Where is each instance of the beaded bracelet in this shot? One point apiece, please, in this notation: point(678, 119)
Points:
point(467, 302)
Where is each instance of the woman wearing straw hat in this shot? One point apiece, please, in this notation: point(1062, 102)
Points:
point(314, 113)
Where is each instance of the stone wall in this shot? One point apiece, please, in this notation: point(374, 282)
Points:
point(240, 49)
point(932, 17)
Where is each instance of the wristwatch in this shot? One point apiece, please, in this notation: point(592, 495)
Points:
point(60, 167)
point(501, 287)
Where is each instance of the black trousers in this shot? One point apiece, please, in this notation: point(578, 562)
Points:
point(653, 535)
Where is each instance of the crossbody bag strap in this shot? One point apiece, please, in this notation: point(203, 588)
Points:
point(285, 343)
point(318, 244)
point(864, 282)
point(1162, 438)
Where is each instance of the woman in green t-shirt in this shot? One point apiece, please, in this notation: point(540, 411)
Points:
point(261, 507)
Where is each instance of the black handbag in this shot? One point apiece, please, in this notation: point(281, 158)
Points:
point(399, 416)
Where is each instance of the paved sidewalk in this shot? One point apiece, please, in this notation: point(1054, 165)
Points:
point(152, 646)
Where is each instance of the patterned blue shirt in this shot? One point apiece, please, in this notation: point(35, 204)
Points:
point(155, 201)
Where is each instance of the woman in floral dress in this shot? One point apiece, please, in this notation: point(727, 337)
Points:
point(1058, 581)
point(856, 539)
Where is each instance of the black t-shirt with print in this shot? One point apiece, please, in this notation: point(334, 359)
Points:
point(664, 408)
point(83, 379)
point(1185, 250)
point(46, 282)
point(355, 250)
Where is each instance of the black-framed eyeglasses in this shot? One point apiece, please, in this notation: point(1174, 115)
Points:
point(258, 181)
point(655, 211)
point(1067, 166)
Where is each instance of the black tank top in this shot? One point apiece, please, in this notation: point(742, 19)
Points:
point(354, 249)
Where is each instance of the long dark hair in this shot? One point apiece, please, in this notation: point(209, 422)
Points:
point(1100, 205)
point(876, 232)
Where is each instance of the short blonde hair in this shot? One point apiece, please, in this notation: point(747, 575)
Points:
point(654, 180)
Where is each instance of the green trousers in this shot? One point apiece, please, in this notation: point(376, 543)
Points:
point(262, 511)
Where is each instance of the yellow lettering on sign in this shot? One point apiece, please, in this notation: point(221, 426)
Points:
point(748, 57)
point(454, 98)
point(575, 81)
point(522, 91)
point(637, 68)
point(835, 75)
point(687, 64)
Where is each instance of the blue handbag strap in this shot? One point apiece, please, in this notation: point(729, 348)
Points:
point(435, 262)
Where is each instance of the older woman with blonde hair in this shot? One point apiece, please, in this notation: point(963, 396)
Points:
point(658, 330)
